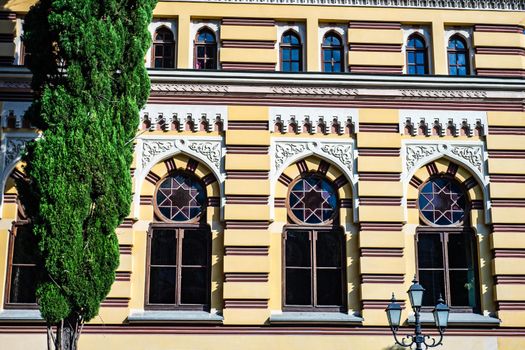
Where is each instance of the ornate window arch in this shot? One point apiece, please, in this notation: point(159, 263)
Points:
point(179, 237)
point(291, 52)
point(458, 56)
point(205, 50)
point(163, 48)
point(332, 52)
point(417, 55)
point(446, 244)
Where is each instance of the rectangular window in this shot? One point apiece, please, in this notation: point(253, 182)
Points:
point(314, 270)
point(179, 268)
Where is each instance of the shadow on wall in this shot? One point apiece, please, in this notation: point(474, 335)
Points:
point(394, 347)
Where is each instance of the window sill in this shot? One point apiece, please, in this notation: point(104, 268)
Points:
point(315, 318)
point(20, 315)
point(141, 316)
point(459, 319)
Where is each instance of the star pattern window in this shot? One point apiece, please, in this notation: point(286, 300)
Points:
point(180, 198)
point(442, 202)
point(312, 200)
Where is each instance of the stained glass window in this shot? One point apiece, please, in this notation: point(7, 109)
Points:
point(313, 200)
point(180, 197)
point(442, 202)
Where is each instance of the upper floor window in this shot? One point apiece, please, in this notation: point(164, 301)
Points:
point(332, 53)
point(163, 48)
point(22, 266)
point(314, 272)
point(417, 56)
point(205, 50)
point(291, 52)
point(458, 56)
point(446, 246)
point(179, 247)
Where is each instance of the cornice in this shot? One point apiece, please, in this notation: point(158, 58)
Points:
point(498, 5)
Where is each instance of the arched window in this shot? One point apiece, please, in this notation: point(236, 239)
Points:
point(291, 52)
point(22, 265)
point(446, 246)
point(163, 49)
point(314, 271)
point(458, 56)
point(179, 246)
point(417, 56)
point(205, 50)
point(332, 53)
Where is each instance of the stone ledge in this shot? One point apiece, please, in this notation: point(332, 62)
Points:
point(138, 316)
point(20, 315)
point(315, 318)
point(459, 319)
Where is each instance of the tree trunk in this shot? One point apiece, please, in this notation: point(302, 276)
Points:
point(67, 334)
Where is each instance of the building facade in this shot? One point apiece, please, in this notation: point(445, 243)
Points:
point(297, 162)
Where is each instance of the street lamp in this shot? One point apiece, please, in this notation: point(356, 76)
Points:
point(440, 312)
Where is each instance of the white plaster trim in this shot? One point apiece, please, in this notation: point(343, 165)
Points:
point(505, 5)
point(151, 316)
point(470, 154)
point(425, 32)
point(197, 25)
point(163, 116)
point(299, 28)
point(18, 109)
point(152, 28)
point(151, 150)
point(326, 117)
point(11, 148)
point(342, 30)
point(19, 32)
point(442, 119)
point(466, 33)
point(286, 151)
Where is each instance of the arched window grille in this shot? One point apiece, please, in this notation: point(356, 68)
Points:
point(163, 49)
point(417, 55)
point(458, 56)
point(205, 50)
point(332, 53)
point(291, 52)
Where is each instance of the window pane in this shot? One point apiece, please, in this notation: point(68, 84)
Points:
point(162, 285)
point(194, 285)
point(287, 67)
point(159, 50)
point(296, 67)
point(453, 71)
point(462, 71)
point(411, 56)
point(298, 249)
point(298, 287)
point(329, 286)
point(420, 57)
point(337, 67)
point(25, 250)
point(23, 285)
point(459, 251)
point(451, 58)
point(420, 70)
point(168, 51)
point(295, 54)
point(158, 63)
point(163, 248)
point(168, 63)
point(429, 251)
point(461, 59)
point(210, 52)
point(286, 54)
point(328, 249)
point(434, 284)
point(200, 51)
point(327, 67)
point(463, 288)
point(412, 70)
point(336, 55)
point(195, 248)
point(211, 64)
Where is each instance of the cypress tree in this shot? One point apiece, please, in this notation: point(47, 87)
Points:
point(89, 83)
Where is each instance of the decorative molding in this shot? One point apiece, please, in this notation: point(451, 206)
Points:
point(341, 152)
point(169, 117)
point(456, 121)
point(444, 93)
point(505, 5)
point(297, 90)
point(14, 110)
point(328, 119)
point(192, 88)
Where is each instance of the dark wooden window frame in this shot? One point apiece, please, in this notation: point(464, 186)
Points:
point(179, 230)
point(214, 45)
point(340, 48)
point(313, 231)
point(291, 47)
point(163, 43)
point(12, 237)
point(454, 51)
point(416, 50)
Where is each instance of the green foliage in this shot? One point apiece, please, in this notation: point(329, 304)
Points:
point(90, 83)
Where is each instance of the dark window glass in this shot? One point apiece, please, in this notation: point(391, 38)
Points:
point(332, 53)
point(164, 49)
point(180, 197)
point(179, 268)
point(417, 56)
point(312, 200)
point(442, 202)
point(291, 52)
point(22, 267)
point(205, 50)
point(458, 56)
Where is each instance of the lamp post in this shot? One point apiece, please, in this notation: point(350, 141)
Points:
point(441, 311)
